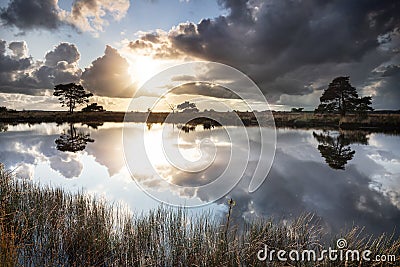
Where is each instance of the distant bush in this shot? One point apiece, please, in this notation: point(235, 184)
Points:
point(3, 109)
point(187, 107)
point(297, 109)
point(93, 107)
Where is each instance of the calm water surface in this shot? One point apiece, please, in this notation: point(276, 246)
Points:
point(345, 178)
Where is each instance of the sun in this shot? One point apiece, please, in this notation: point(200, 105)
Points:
point(143, 68)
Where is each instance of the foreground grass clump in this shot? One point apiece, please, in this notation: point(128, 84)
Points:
point(49, 227)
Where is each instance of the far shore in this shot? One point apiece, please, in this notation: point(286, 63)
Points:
point(373, 121)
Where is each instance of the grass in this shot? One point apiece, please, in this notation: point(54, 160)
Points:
point(43, 226)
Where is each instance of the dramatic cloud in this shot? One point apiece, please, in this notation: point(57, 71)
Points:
point(108, 75)
point(60, 66)
point(19, 49)
point(285, 45)
point(156, 44)
point(85, 15)
point(291, 49)
point(20, 74)
point(63, 52)
point(204, 89)
point(385, 87)
point(88, 15)
point(28, 15)
point(11, 63)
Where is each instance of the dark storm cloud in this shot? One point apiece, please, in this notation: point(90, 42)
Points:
point(387, 93)
point(288, 34)
point(239, 10)
point(19, 74)
point(60, 66)
point(108, 75)
point(63, 52)
point(391, 70)
point(9, 63)
point(32, 14)
point(204, 89)
point(85, 15)
point(277, 43)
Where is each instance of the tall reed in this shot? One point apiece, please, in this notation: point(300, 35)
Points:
point(43, 226)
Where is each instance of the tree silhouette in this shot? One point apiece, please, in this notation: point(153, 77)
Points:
point(341, 97)
point(363, 105)
point(187, 107)
point(336, 149)
point(71, 95)
point(72, 141)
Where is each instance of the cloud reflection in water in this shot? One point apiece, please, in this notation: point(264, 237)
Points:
point(367, 192)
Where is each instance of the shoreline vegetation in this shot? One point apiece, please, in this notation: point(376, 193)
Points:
point(44, 226)
point(372, 121)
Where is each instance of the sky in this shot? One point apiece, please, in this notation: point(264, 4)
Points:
point(291, 49)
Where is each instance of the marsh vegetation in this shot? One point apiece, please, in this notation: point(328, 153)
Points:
point(44, 226)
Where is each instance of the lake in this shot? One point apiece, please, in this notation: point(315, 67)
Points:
point(346, 178)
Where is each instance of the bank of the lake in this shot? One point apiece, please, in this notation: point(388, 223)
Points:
point(375, 121)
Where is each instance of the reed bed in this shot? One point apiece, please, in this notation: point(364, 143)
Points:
point(43, 226)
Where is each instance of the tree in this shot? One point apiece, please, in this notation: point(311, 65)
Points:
point(341, 97)
point(71, 95)
point(187, 107)
point(336, 148)
point(72, 141)
point(364, 105)
point(93, 107)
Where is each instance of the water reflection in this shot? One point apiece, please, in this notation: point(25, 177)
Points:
point(366, 193)
point(335, 148)
point(72, 140)
point(190, 126)
point(3, 127)
point(186, 127)
point(94, 125)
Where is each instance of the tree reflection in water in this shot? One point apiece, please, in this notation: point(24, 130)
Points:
point(335, 148)
point(72, 140)
point(3, 127)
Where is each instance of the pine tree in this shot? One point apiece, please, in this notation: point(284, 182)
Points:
point(71, 95)
point(340, 97)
